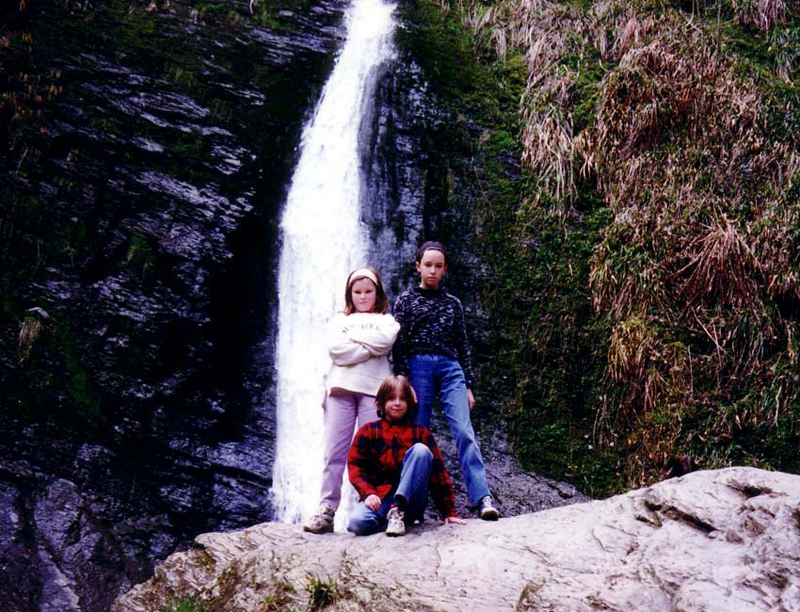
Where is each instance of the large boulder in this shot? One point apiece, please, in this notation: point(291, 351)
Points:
point(724, 540)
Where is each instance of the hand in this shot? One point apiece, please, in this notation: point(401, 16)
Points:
point(454, 520)
point(373, 502)
point(470, 399)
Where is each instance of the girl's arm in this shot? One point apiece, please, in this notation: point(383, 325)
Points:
point(399, 356)
point(343, 350)
point(360, 460)
point(462, 346)
point(375, 332)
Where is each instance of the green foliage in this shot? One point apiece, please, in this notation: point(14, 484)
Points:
point(186, 604)
point(49, 358)
point(79, 385)
point(218, 11)
point(322, 593)
point(548, 343)
point(141, 255)
point(266, 17)
point(638, 319)
point(445, 52)
point(590, 71)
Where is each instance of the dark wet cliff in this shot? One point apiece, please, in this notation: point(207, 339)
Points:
point(145, 157)
point(139, 219)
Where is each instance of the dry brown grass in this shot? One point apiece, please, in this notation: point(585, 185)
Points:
point(700, 268)
point(722, 269)
point(549, 148)
point(763, 14)
point(633, 356)
point(29, 332)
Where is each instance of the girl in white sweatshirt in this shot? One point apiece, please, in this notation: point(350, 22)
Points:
point(359, 340)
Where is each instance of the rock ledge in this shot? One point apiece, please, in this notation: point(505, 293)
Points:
point(725, 540)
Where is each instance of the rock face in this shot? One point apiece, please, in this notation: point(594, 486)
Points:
point(136, 340)
point(138, 249)
point(726, 540)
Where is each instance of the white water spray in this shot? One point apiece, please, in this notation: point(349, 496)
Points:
point(322, 242)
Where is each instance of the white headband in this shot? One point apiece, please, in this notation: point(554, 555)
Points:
point(366, 274)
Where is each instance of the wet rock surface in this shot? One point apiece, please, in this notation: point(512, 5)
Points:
point(139, 236)
point(716, 540)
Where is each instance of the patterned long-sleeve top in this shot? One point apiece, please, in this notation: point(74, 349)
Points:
point(376, 458)
point(431, 323)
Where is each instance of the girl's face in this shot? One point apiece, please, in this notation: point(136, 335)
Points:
point(396, 406)
point(431, 269)
point(364, 293)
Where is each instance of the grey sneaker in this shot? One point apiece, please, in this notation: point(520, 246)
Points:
point(487, 509)
point(396, 526)
point(322, 521)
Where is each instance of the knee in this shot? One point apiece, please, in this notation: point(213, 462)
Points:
point(420, 451)
point(358, 527)
point(464, 433)
point(361, 524)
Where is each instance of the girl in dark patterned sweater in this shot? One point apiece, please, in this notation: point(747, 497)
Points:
point(433, 351)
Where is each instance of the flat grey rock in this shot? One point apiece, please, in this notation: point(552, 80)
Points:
point(726, 540)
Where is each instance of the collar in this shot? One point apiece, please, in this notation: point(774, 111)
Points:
point(429, 293)
point(405, 422)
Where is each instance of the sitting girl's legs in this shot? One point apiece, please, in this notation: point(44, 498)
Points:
point(412, 491)
point(364, 521)
point(411, 494)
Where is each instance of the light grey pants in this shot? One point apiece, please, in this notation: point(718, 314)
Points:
point(342, 409)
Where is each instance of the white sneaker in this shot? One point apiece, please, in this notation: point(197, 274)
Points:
point(322, 521)
point(487, 509)
point(396, 526)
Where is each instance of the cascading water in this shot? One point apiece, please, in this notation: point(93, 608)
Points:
point(322, 241)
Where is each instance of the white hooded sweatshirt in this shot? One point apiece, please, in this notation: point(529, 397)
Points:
point(358, 345)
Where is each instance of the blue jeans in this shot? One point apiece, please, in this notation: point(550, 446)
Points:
point(437, 376)
point(413, 488)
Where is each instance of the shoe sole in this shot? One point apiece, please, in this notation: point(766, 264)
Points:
point(395, 534)
point(490, 515)
point(318, 531)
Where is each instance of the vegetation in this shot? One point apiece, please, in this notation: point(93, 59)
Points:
point(187, 604)
point(646, 264)
point(321, 593)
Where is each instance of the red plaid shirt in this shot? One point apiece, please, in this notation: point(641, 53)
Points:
point(376, 460)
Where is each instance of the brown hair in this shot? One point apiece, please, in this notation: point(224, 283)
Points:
point(381, 301)
point(431, 246)
point(391, 384)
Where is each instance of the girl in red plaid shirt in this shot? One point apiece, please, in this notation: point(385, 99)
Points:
point(393, 463)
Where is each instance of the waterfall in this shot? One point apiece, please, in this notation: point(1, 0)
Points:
point(322, 242)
